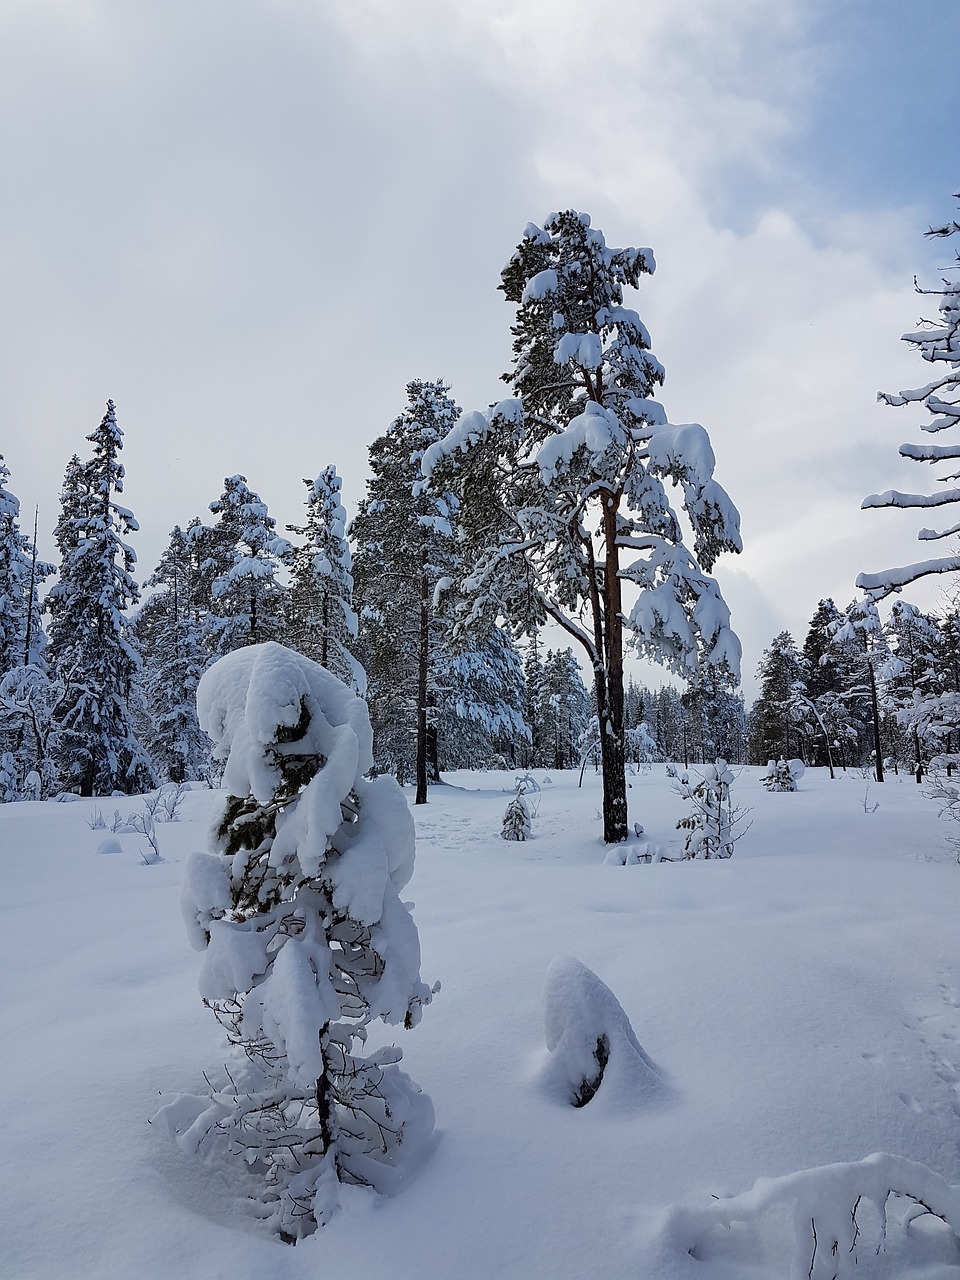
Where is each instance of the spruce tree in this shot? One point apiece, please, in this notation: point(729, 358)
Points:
point(240, 557)
point(775, 725)
point(90, 646)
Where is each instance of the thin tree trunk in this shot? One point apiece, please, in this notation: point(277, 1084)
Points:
point(876, 721)
point(423, 663)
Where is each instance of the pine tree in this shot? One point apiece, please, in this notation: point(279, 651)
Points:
point(321, 622)
point(90, 647)
point(306, 943)
point(404, 553)
point(562, 489)
point(938, 343)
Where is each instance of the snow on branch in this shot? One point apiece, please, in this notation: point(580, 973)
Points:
point(830, 1211)
point(879, 585)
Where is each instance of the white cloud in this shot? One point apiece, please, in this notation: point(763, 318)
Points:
point(251, 225)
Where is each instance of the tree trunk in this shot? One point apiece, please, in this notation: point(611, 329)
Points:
point(613, 758)
point(878, 753)
point(424, 658)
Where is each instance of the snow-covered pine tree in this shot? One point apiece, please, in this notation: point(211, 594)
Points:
point(404, 552)
point(90, 647)
point(241, 557)
point(306, 942)
point(938, 343)
point(169, 633)
point(562, 489)
point(321, 622)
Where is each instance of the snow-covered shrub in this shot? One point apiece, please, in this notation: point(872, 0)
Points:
point(590, 1041)
point(711, 821)
point(306, 942)
point(830, 1206)
point(782, 775)
point(516, 820)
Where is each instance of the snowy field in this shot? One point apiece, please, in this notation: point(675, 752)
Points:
point(801, 1003)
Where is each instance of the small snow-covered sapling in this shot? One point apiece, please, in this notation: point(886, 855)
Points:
point(712, 819)
point(782, 775)
point(516, 818)
point(306, 943)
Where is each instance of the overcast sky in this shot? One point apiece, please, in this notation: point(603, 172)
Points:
point(251, 223)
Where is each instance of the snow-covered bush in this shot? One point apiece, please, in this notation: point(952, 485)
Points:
point(590, 1041)
point(306, 942)
point(782, 775)
point(711, 821)
point(516, 819)
point(830, 1207)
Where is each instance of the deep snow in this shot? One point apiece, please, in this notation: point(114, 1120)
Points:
point(799, 1002)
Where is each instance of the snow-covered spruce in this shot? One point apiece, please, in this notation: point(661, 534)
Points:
point(306, 942)
point(591, 1042)
point(92, 650)
point(782, 775)
point(710, 823)
point(830, 1206)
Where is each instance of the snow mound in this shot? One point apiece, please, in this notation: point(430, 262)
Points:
point(591, 1043)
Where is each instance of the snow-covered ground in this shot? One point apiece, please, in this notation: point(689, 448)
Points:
point(801, 1003)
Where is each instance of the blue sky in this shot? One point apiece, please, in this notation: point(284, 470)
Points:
point(251, 223)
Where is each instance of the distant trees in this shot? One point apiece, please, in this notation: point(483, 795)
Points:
point(775, 723)
point(321, 622)
point(26, 695)
point(169, 630)
point(562, 488)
